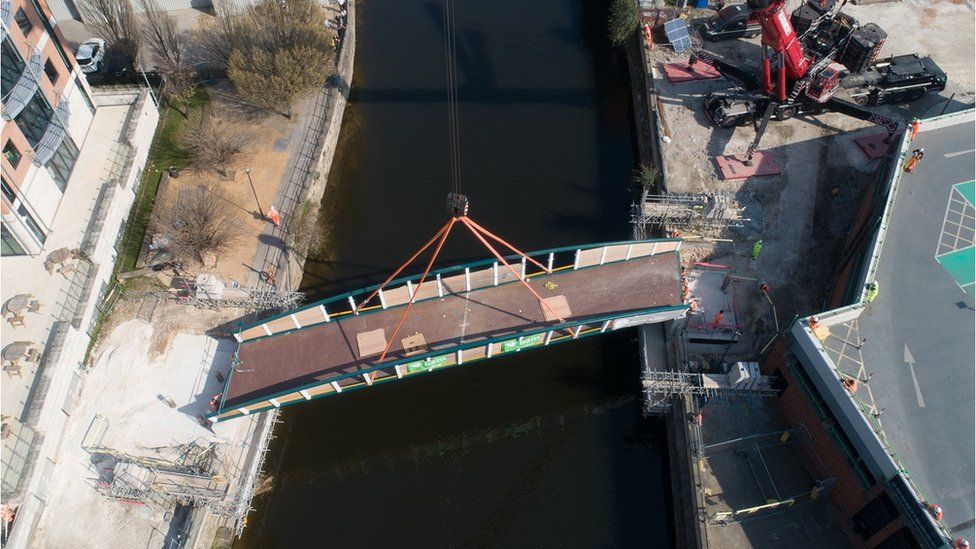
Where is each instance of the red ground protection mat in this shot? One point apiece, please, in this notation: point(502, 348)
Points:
point(681, 72)
point(732, 167)
point(873, 146)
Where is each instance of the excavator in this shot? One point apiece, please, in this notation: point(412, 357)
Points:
point(831, 66)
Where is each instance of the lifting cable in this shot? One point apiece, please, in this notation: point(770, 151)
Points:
point(453, 112)
point(457, 202)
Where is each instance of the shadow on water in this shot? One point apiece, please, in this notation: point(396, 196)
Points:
point(539, 449)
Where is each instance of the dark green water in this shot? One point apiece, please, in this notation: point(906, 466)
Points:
point(543, 449)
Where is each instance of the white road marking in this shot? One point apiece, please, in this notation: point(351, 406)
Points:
point(910, 360)
point(958, 153)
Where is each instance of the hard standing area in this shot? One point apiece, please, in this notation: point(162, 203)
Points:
point(920, 329)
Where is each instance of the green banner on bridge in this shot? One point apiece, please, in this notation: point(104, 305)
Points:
point(427, 364)
point(521, 343)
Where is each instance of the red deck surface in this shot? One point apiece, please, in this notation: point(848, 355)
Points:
point(681, 72)
point(326, 350)
point(733, 167)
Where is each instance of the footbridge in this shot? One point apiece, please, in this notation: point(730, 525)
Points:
point(463, 314)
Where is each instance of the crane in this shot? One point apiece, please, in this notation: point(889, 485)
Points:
point(803, 73)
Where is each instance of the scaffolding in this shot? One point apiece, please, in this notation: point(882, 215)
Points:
point(697, 213)
point(660, 387)
point(251, 299)
point(197, 475)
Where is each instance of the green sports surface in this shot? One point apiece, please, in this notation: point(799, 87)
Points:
point(957, 255)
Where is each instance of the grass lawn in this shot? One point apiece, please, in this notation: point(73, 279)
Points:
point(166, 151)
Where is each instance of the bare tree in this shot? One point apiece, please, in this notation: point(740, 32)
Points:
point(163, 35)
point(213, 142)
point(221, 36)
point(115, 22)
point(195, 224)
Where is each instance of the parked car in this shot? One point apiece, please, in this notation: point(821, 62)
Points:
point(731, 22)
point(90, 54)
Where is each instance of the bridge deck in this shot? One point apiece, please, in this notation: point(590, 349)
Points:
point(270, 365)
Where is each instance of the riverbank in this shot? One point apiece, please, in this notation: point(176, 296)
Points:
point(309, 166)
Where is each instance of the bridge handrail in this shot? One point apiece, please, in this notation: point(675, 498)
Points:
point(442, 271)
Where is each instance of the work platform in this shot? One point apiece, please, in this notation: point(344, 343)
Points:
point(461, 314)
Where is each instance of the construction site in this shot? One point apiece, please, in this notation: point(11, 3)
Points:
point(800, 352)
point(770, 205)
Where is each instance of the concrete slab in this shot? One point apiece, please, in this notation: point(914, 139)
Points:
point(734, 166)
point(682, 72)
point(874, 146)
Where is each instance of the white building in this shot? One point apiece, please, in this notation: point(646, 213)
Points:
point(72, 164)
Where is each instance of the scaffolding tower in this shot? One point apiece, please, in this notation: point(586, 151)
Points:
point(659, 387)
point(197, 476)
point(698, 213)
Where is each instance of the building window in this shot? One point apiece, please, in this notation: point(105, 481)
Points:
point(8, 244)
point(31, 224)
point(63, 161)
point(12, 65)
point(35, 117)
point(13, 155)
point(8, 191)
point(23, 22)
point(50, 71)
point(50, 31)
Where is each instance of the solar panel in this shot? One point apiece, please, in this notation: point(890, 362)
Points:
point(677, 33)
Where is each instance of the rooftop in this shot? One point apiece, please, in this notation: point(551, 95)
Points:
point(913, 343)
point(60, 291)
point(921, 328)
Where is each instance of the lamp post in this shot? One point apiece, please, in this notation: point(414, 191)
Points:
point(247, 171)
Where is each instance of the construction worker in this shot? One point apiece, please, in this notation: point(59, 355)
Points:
point(764, 288)
point(274, 216)
point(756, 248)
point(215, 401)
point(960, 543)
point(916, 126)
point(917, 155)
point(934, 509)
point(872, 288)
point(717, 320)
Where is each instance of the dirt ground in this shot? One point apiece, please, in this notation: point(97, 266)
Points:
point(168, 318)
point(802, 214)
point(266, 155)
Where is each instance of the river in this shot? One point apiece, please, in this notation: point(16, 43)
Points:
point(541, 449)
